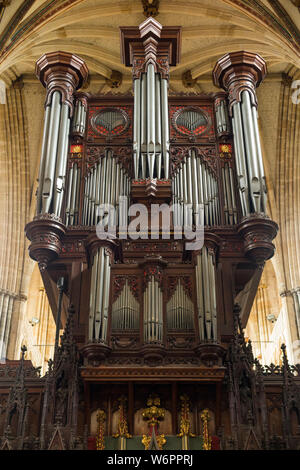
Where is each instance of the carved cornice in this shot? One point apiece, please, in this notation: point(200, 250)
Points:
point(150, 43)
point(45, 232)
point(63, 72)
point(239, 71)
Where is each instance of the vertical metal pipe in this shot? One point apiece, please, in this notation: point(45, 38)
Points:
point(251, 151)
point(260, 160)
point(106, 299)
point(73, 195)
point(43, 158)
point(69, 193)
point(165, 125)
point(151, 118)
point(158, 146)
point(61, 160)
point(144, 123)
point(207, 283)
point(200, 298)
point(137, 126)
point(51, 151)
point(93, 293)
point(240, 158)
point(99, 292)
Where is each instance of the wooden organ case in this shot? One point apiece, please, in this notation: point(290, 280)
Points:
point(148, 321)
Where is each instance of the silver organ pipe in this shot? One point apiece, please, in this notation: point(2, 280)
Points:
point(222, 118)
point(143, 125)
point(52, 176)
point(104, 183)
point(61, 159)
point(137, 126)
point(99, 296)
point(43, 158)
point(260, 161)
point(251, 152)
point(230, 209)
point(151, 126)
point(158, 125)
point(153, 312)
point(248, 156)
point(51, 151)
point(195, 185)
point(180, 310)
point(151, 119)
point(165, 124)
point(206, 295)
point(79, 119)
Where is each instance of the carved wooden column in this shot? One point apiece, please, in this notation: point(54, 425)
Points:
point(61, 73)
point(101, 255)
point(153, 317)
point(208, 350)
point(240, 73)
point(150, 49)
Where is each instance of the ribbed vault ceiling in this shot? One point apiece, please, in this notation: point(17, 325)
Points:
point(90, 28)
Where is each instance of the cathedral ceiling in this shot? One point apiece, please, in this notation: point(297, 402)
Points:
point(90, 28)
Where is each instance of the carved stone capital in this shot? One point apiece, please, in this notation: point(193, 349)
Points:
point(239, 71)
point(63, 72)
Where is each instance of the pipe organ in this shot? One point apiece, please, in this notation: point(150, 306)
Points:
point(148, 308)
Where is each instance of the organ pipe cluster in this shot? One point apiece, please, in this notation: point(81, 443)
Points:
point(153, 312)
point(79, 119)
point(73, 194)
point(222, 118)
point(105, 183)
point(248, 156)
point(151, 126)
point(125, 310)
point(230, 208)
point(206, 295)
point(99, 296)
point(53, 156)
point(194, 186)
point(180, 310)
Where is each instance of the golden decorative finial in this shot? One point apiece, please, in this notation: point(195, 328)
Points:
point(185, 424)
point(100, 430)
point(205, 417)
point(122, 424)
point(153, 414)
